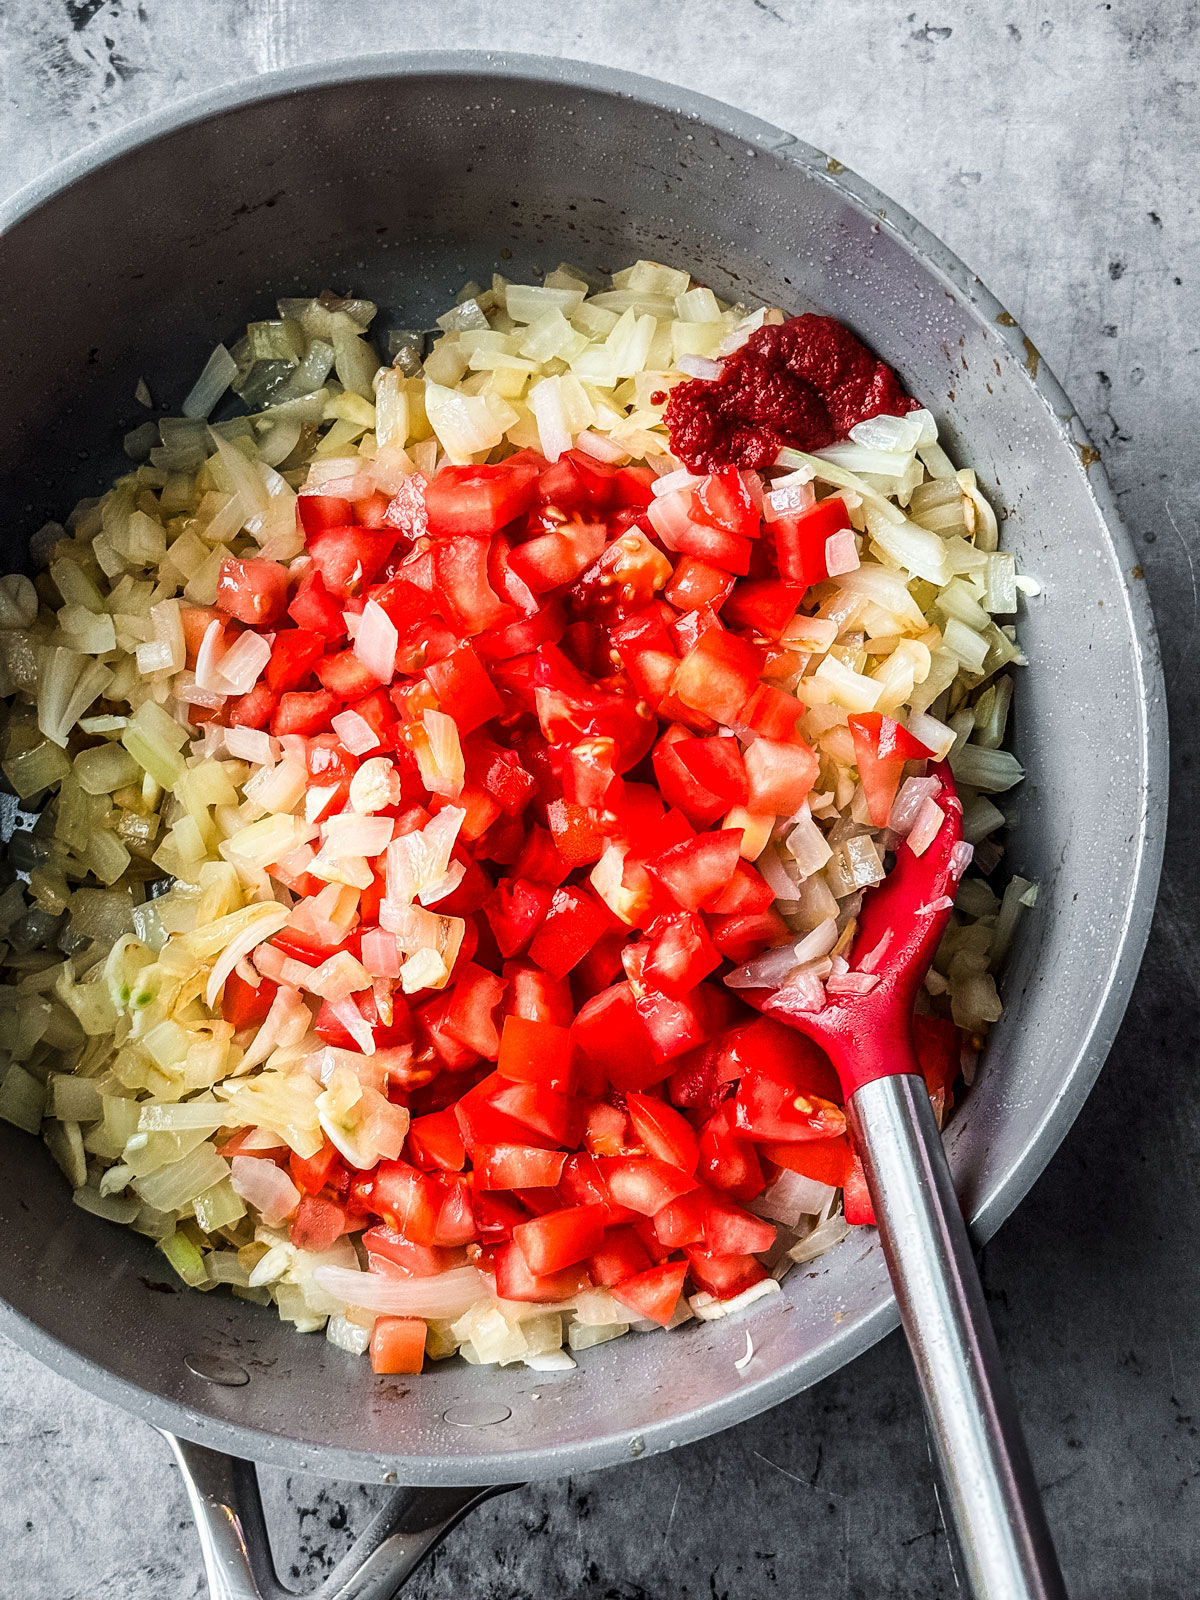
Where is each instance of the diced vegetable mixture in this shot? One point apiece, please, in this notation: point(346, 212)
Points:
point(415, 764)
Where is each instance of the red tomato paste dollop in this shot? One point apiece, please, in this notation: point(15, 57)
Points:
point(804, 383)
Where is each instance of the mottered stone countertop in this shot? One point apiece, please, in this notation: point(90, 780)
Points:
point(1054, 147)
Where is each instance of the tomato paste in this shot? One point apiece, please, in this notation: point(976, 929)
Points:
point(804, 383)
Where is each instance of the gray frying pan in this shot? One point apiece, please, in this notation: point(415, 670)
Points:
point(402, 177)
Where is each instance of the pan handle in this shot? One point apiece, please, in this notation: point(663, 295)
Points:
point(225, 1500)
point(992, 1495)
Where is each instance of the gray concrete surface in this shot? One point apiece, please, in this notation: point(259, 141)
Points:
point(1054, 146)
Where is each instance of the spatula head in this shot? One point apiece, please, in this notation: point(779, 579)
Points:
point(869, 1036)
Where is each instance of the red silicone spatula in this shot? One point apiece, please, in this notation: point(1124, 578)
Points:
point(991, 1493)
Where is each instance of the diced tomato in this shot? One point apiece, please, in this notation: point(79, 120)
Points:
point(774, 1102)
point(315, 512)
point(243, 1004)
point(718, 675)
point(456, 1223)
point(318, 1224)
point(348, 558)
point(746, 933)
point(723, 1276)
point(535, 1052)
point(534, 994)
point(253, 710)
point(497, 1215)
point(576, 837)
point(938, 1050)
point(680, 955)
point(571, 926)
point(643, 1183)
point(610, 1033)
point(620, 1255)
point(558, 556)
point(252, 590)
point(304, 713)
point(293, 656)
point(464, 689)
point(730, 1231)
point(772, 713)
point(195, 621)
point(881, 747)
point(856, 1197)
point(765, 605)
point(605, 1132)
point(722, 500)
point(515, 910)
point(697, 870)
point(823, 1160)
point(560, 1238)
point(314, 608)
point(515, 1281)
point(681, 1221)
point(654, 1294)
point(677, 1024)
point(472, 1012)
point(747, 890)
point(408, 1200)
point(727, 1159)
point(800, 538)
point(460, 570)
point(513, 1166)
point(646, 651)
point(697, 584)
point(664, 1133)
point(780, 776)
point(397, 1344)
point(345, 676)
point(310, 1174)
point(435, 1142)
point(385, 1247)
point(476, 502)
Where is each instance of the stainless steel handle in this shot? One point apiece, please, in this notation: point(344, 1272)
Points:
point(227, 1505)
point(991, 1494)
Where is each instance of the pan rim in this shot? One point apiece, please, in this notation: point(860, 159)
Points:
point(994, 1205)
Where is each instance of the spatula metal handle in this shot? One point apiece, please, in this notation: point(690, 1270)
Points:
point(991, 1495)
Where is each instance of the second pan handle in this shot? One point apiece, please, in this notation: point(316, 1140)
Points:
point(226, 1503)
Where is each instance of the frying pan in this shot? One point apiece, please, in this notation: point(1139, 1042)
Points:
point(402, 177)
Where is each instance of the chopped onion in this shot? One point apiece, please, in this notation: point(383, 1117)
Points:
point(444, 1298)
point(791, 1197)
point(787, 496)
point(440, 756)
point(850, 982)
point(267, 920)
point(381, 954)
point(355, 732)
point(353, 834)
point(910, 798)
point(925, 826)
point(208, 659)
point(818, 943)
point(700, 367)
point(250, 744)
point(266, 1187)
point(242, 664)
point(219, 372)
point(841, 553)
point(376, 642)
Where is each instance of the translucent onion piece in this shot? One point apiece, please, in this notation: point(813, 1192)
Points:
point(264, 1186)
point(445, 1297)
point(267, 919)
